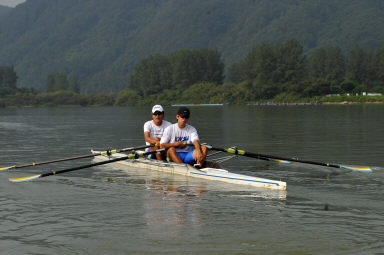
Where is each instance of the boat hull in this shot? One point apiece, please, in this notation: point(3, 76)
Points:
point(213, 174)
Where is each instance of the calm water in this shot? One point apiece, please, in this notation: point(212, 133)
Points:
point(110, 210)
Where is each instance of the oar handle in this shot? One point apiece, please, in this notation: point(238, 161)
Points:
point(53, 161)
point(106, 152)
point(135, 155)
point(129, 156)
point(83, 166)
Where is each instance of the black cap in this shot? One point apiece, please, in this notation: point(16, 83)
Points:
point(183, 112)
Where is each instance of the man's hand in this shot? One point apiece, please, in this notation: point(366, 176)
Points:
point(180, 144)
point(198, 155)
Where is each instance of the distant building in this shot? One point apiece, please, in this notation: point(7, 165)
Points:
point(371, 94)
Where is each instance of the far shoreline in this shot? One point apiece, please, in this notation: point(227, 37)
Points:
point(352, 102)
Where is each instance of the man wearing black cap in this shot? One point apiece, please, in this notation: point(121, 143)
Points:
point(177, 136)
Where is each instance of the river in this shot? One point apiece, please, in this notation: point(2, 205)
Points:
point(111, 210)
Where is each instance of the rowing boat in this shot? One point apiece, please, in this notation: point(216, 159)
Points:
point(209, 173)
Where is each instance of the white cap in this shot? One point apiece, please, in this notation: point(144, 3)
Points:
point(157, 108)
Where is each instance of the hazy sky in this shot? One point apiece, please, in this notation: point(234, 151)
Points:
point(11, 3)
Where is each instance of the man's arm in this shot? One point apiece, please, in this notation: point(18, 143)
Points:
point(198, 155)
point(150, 140)
point(171, 147)
point(178, 144)
point(166, 138)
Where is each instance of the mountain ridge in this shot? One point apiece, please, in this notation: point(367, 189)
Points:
point(101, 43)
point(4, 10)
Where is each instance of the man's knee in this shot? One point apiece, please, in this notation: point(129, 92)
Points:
point(171, 151)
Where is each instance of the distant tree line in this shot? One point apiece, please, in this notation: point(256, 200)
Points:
point(168, 78)
point(8, 80)
point(277, 72)
point(269, 71)
point(59, 82)
point(60, 91)
point(177, 71)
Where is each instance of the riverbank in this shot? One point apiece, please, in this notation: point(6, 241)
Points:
point(360, 99)
point(65, 98)
point(325, 100)
point(350, 102)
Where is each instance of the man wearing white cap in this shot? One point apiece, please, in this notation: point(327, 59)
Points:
point(154, 129)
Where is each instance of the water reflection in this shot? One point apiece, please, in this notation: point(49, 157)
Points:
point(169, 187)
point(172, 209)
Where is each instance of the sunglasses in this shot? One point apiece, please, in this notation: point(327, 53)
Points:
point(158, 113)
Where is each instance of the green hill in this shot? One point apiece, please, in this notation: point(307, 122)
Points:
point(101, 41)
point(4, 10)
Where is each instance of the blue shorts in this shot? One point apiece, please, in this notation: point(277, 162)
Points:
point(150, 156)
point(186, 157)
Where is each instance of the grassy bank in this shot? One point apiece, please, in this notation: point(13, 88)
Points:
point(65, 98)
point(343, 99)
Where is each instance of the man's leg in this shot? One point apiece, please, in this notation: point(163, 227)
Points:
point(171, 153)
point(157, 155)
point(150, 156)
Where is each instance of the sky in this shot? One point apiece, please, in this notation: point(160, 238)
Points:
point(11, 3)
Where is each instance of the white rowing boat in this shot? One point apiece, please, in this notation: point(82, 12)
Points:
point(208, 173)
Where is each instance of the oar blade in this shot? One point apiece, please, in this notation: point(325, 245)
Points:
point(282, 161)
point(25, 179)
point(6, 168)
point(365, 169)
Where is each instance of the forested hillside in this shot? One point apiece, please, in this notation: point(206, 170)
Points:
point(100, 42)
point(4, 10)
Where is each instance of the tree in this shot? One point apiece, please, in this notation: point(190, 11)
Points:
point(8, 77)
point(327, 63)
point(178, 70)
point(235, 72)
point(360, 66)
point(127, 98)
point(348, 85)
point(289, 62)
point(74, 85)
point(273, 68)
point(151, 75)
point(320, 87)
point(334, 64)
point(378, 63)
point(56, 82)
point(260, 62)
point(50, 83)
point(194, 66)
point(316, 64)
point(61, 82)
point(194, 93)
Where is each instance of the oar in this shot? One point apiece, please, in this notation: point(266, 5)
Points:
point(260, 157)
point(284, 159)
point(129, 156)
point(107, 152)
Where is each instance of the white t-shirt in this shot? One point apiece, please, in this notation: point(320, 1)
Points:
point(174, 134)
point(155, 131)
